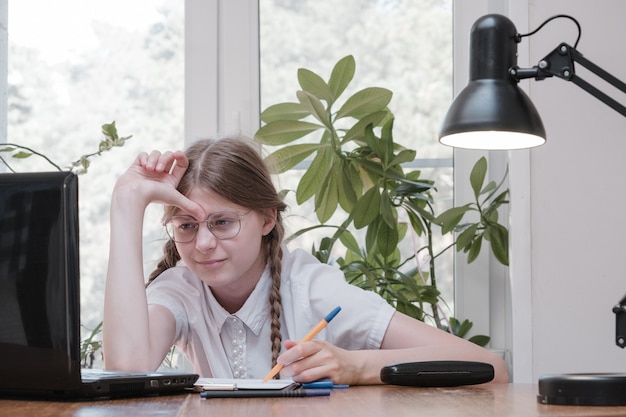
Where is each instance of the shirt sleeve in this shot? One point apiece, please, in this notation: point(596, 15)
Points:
point(172, 291)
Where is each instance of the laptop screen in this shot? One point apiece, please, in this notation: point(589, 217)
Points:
point(39, 276)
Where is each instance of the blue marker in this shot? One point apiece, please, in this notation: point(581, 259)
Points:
point(323, 383)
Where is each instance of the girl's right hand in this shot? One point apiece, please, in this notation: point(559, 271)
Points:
point(154, 177)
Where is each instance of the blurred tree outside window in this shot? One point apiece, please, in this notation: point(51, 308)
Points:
point(74, 65)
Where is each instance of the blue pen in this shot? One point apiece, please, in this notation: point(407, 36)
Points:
point(323, 383)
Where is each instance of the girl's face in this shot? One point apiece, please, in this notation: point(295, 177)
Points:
point(231, 267)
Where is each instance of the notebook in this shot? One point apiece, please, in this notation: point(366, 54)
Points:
point(39, 298)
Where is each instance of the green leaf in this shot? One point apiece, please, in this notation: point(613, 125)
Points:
point(314, 176)
point(480, 340)
point(110, 131)
point(416, 222)
point(366, 101)
point(284, 111)
point(474, 249)
point(413, 189)
point(21, 155)
point(386, 210)
point(404, 156)
point(490, 215)
point(366, 209)
point(280, 132)
point(387, 239)
point(465, 238)
point(499, 240)
point(314, 85)
point(105, 145)
point(477, 176)
point(450, 218)
point(349, 241)
point(488, 188)
point(326, 199)
point(342, 74)
point(465, 327)
point(500, 199)
point(315, 106)
point(386, 137)
point(351, 186)
point(286, 158)
point(373, 142)
point(500, 185)
point(371, 234)
point(357, 132)
point(403, 228)
point(454, 325)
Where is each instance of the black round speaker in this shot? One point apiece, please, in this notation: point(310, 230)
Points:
point(583, 389)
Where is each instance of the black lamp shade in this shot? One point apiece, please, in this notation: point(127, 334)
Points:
point(492, 112)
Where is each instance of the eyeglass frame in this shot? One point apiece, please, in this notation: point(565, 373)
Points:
point(206, 222)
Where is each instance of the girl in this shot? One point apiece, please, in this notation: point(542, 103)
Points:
point(230, 295)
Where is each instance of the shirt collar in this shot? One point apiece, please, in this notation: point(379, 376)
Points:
point(254, 312)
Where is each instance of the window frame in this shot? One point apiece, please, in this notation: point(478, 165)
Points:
point(222, 93)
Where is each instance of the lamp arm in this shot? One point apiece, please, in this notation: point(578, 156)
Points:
point(620, 323)
point(560, 63)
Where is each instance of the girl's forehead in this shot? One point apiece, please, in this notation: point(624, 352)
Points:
point(212, 202)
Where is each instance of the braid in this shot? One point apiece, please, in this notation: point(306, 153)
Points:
point(274, 256)
point(170, 259)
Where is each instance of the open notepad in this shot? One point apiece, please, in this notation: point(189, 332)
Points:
point(228, 384)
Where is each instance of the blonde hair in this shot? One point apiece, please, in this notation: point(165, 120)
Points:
point(233, 168)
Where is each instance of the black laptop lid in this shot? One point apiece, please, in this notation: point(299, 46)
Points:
point(39, 276)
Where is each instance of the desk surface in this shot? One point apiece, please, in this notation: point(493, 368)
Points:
point(489, 400)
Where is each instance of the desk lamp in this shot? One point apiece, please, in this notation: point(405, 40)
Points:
point(492, 112)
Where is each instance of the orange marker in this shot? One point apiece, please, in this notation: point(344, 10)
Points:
point(276, 369)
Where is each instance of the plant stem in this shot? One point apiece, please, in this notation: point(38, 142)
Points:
point(7, 164)
point(34, 153)
point(433, 278)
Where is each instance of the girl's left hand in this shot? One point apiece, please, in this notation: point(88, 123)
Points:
point(317, 359)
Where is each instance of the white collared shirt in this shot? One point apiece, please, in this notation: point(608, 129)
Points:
point(222, 345)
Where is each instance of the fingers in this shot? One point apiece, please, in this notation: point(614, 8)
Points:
point(298, 351)
point(157, 175)
point(171, 162)
point(181, 164)
point(289, 344)
point(309, 361)
point(190, 207)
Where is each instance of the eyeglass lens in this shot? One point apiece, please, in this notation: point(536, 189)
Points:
point(223, 225)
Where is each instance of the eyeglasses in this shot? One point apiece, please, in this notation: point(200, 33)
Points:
point(223, 225)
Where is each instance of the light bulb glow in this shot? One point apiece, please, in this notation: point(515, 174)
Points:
point(496, 140)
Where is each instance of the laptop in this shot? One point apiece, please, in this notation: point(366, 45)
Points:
point(40, 298)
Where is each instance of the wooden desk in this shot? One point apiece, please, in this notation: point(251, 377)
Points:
point(494, 400)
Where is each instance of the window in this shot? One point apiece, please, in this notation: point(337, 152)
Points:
point(74, 65)
point(124, 61)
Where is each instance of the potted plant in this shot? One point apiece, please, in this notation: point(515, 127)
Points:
point(356, 170)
